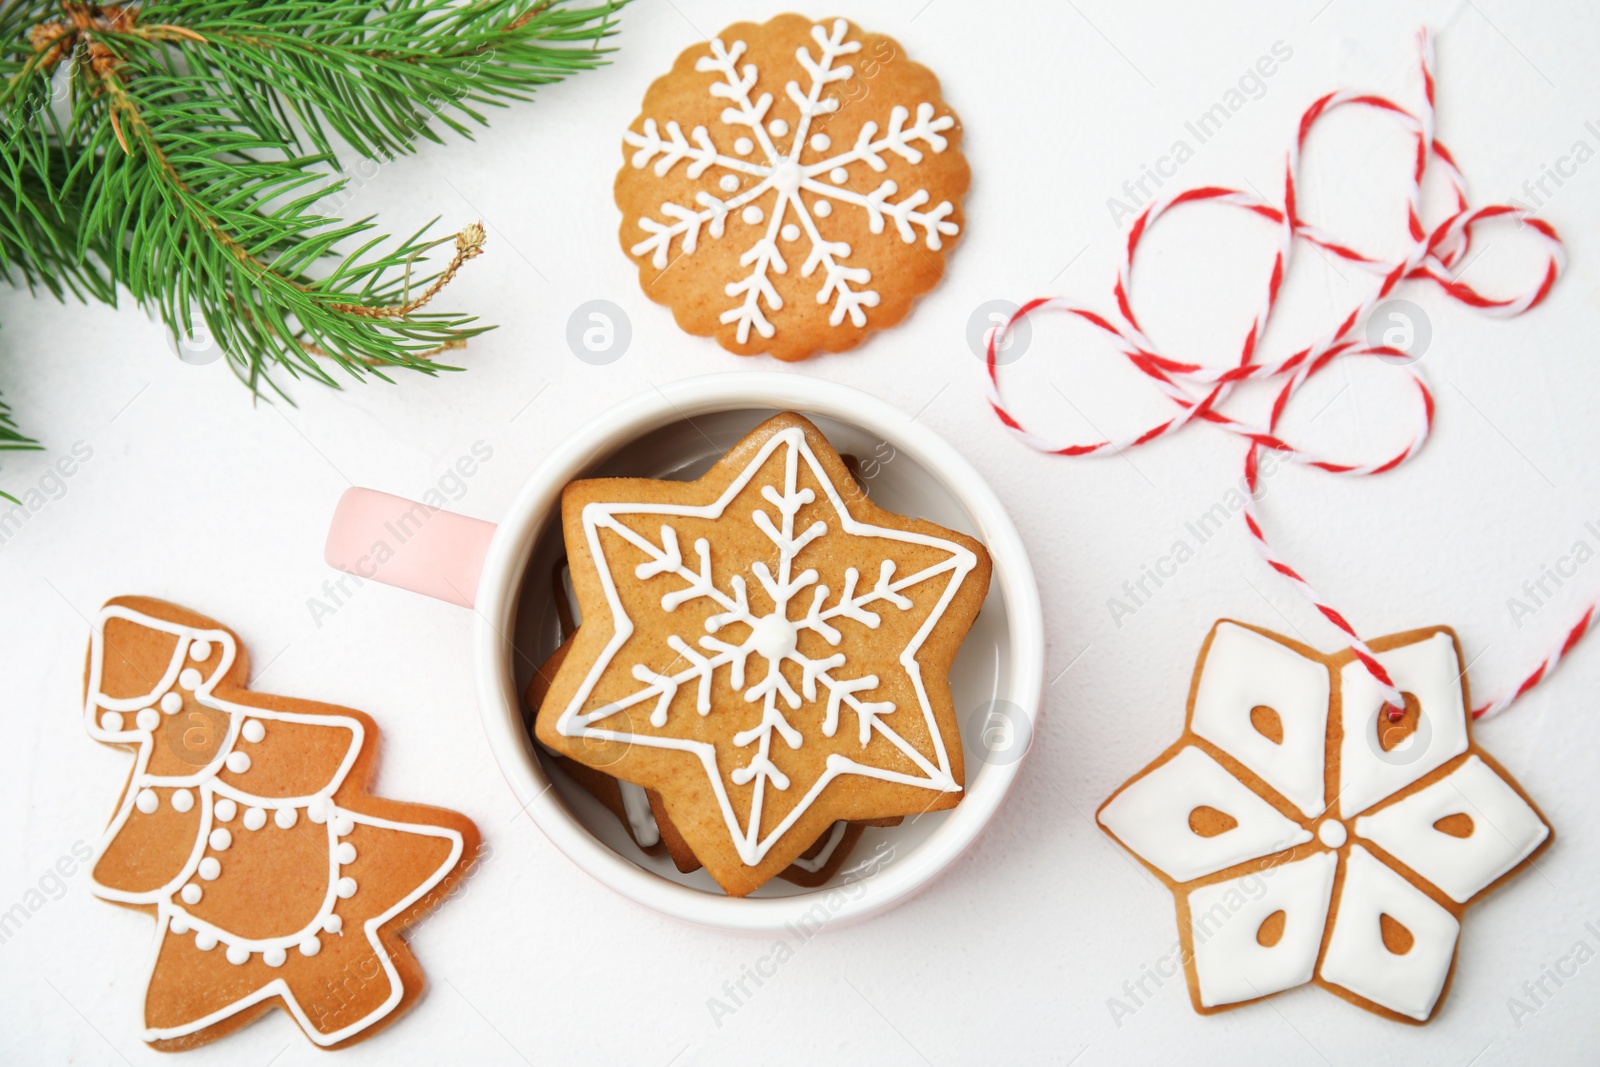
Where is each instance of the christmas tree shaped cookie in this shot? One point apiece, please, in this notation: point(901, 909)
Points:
point(245, 830)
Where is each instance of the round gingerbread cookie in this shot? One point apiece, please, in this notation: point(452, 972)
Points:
point(792, 185)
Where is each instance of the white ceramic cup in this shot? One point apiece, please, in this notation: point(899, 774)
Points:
point(502, 573)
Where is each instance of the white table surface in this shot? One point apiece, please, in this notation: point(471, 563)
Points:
point(195, 495)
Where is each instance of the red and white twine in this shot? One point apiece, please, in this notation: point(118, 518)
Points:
point(1197, 391)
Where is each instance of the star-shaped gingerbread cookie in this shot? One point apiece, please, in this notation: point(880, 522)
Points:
point(765, 648)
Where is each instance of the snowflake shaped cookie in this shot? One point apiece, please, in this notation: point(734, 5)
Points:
point(1309, 839)
point(246, 832)
point(790, 186)
point(765, 648)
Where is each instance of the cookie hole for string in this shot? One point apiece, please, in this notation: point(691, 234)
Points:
point(1393, 732)
point(1206, 821)
point(1270, 932)
point(1396, 938)
point(1458, 825)
point(1267, 722)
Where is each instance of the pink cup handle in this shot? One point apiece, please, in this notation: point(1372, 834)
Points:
point(412, 546)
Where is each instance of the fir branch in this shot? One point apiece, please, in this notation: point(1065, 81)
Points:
point(185, 150)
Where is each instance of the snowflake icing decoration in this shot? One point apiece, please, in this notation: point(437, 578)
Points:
point(801, 603)
point(1323, 824)
point(791, 173)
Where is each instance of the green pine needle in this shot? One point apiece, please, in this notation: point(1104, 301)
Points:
point(185, 152)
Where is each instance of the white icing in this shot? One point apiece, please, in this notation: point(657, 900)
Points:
point(318, 808)
point(1505, 830)
point(147, 720)
point(215, 795)
point(1243, 669)
point(238, 762)
point(641, 820)
point(1231, 965)
point(345, 853)
point(822, 209)
point(729, 183)
point(189, 678)
point(342, 824)
point(821, 142)
point(192, 893)
point(858, 603)
point(752, 215)
point(1331, 832)
point(274, 957)
point(111, 722)
point(310, 946)
point(790, 232)
point(224, 810)
point(815, 863)
point(1357, 959)
point(147, 801)
point(220, 839)
point(1429, 670)
point(253, 731)
point(785, 174)
point(1151, 818)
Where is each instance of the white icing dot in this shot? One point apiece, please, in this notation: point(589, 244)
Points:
point(210, 868)
point(220, 839)
point(253, 731)
point(839, 175)
point(200, 650)
point(274, 957)
point(744, 146)
point(147, 801)
point(189, 679)
point(238, 762)
point(343, 824)
point(346, 888)
point(777, 127)
point(285, 818)
point(822, 209)
point(791, 232)
point(255, 818)
point(205, 941)
point(317, 810)
point(148, 719)
point(178, 925)
point(191, 893)
point(112, 721)
point(310, 947)
point(225, 809)
point(729, 183)
point(238, 954)
point(345, 853)
point(752, 215)
point(1332, 833)
point(820, 142)
point(333, 924)
point(172, 703)
point(182, 800)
